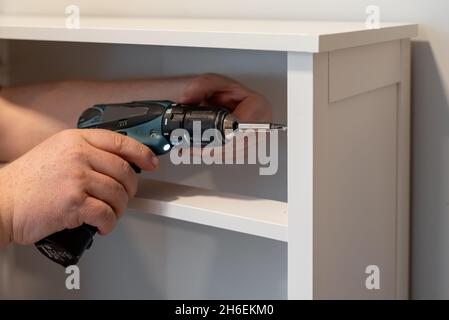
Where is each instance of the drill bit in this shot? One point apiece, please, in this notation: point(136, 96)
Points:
point(261, 126)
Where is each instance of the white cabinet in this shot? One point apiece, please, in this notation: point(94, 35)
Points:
point(344, 168)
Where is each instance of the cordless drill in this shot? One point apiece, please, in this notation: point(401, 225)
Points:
point(152, 124)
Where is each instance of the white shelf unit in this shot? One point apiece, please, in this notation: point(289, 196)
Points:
point(349, 143)
point(275, 35)
point(259, 217)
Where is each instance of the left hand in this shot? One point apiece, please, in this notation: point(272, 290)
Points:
point(217, 90)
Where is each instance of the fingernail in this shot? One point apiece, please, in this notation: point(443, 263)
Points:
point(155, 161)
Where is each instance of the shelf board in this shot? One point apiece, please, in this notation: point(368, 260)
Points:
point(259, 217)
point(272, 35)
point(255, 216)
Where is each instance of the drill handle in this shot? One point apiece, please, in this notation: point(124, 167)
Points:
point(67, 246)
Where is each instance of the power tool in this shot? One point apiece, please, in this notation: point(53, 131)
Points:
point(152, 124)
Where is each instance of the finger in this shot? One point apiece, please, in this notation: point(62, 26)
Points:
point(109, 191)
point(209, 85)
point(125, 147)
point(115, 167)
point(254, 108)
point(98, 214)
point(230, 97)
point(221, 91)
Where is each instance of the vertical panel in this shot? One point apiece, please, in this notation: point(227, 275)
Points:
point(300, 175)
point(403, 201)
point(355, 196)
point(354, 71)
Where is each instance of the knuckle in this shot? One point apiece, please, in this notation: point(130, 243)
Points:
point(125, 167)
point(79, 175)
point(120, 193)
point(130, 177)
point(106, 219)
point(104, 215)
point(119, 142)
point(76, 154)
point(144, 152)
point(192, 88)
point(75, 198)
point(237, 87)
point(208, 76)
point(198, 83)
point(72, 222)
point(68, 135)
point(65, 133)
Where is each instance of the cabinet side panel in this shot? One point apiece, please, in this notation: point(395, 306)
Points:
point(354, 71)
point(354, 191)
point(403, 213)
point(300, 175)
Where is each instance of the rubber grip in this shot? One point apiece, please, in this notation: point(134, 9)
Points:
point(67, 246)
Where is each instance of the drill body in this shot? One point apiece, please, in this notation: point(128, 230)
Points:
point(152, 122)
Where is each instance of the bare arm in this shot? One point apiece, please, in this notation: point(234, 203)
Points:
point(30, 114)
point(22, 129)
point(65, 100)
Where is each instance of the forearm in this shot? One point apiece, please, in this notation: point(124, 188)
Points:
point(32, 113)
point(22, 129)
point(67, 99)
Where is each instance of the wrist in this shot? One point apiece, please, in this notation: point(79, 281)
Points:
point(5, 209)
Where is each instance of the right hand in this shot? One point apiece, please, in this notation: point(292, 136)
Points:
point(72, 178)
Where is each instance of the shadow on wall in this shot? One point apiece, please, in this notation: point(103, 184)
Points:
point(430, 200)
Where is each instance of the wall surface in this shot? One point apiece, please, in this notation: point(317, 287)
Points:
point(430, 256)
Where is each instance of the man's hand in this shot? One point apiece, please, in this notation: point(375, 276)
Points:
point(216, 90)
point(74, 177)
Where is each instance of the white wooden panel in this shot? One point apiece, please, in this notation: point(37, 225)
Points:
point(403, 176)
point(357, 70)
point(255, 216)
point(260, 217)
point(300, 175)
point(355, 214)
point(279, 35)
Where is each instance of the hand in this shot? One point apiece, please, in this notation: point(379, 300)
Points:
point(216, 90)
point(245, 104)
point(74, 177)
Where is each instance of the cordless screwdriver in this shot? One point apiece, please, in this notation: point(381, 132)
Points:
point(151, 123)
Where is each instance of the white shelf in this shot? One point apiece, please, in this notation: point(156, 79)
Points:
point(259, 217)
point(277, 35)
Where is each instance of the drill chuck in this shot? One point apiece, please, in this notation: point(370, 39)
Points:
point(185, 117)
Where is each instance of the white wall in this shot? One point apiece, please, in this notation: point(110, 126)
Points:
point(430, 95)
